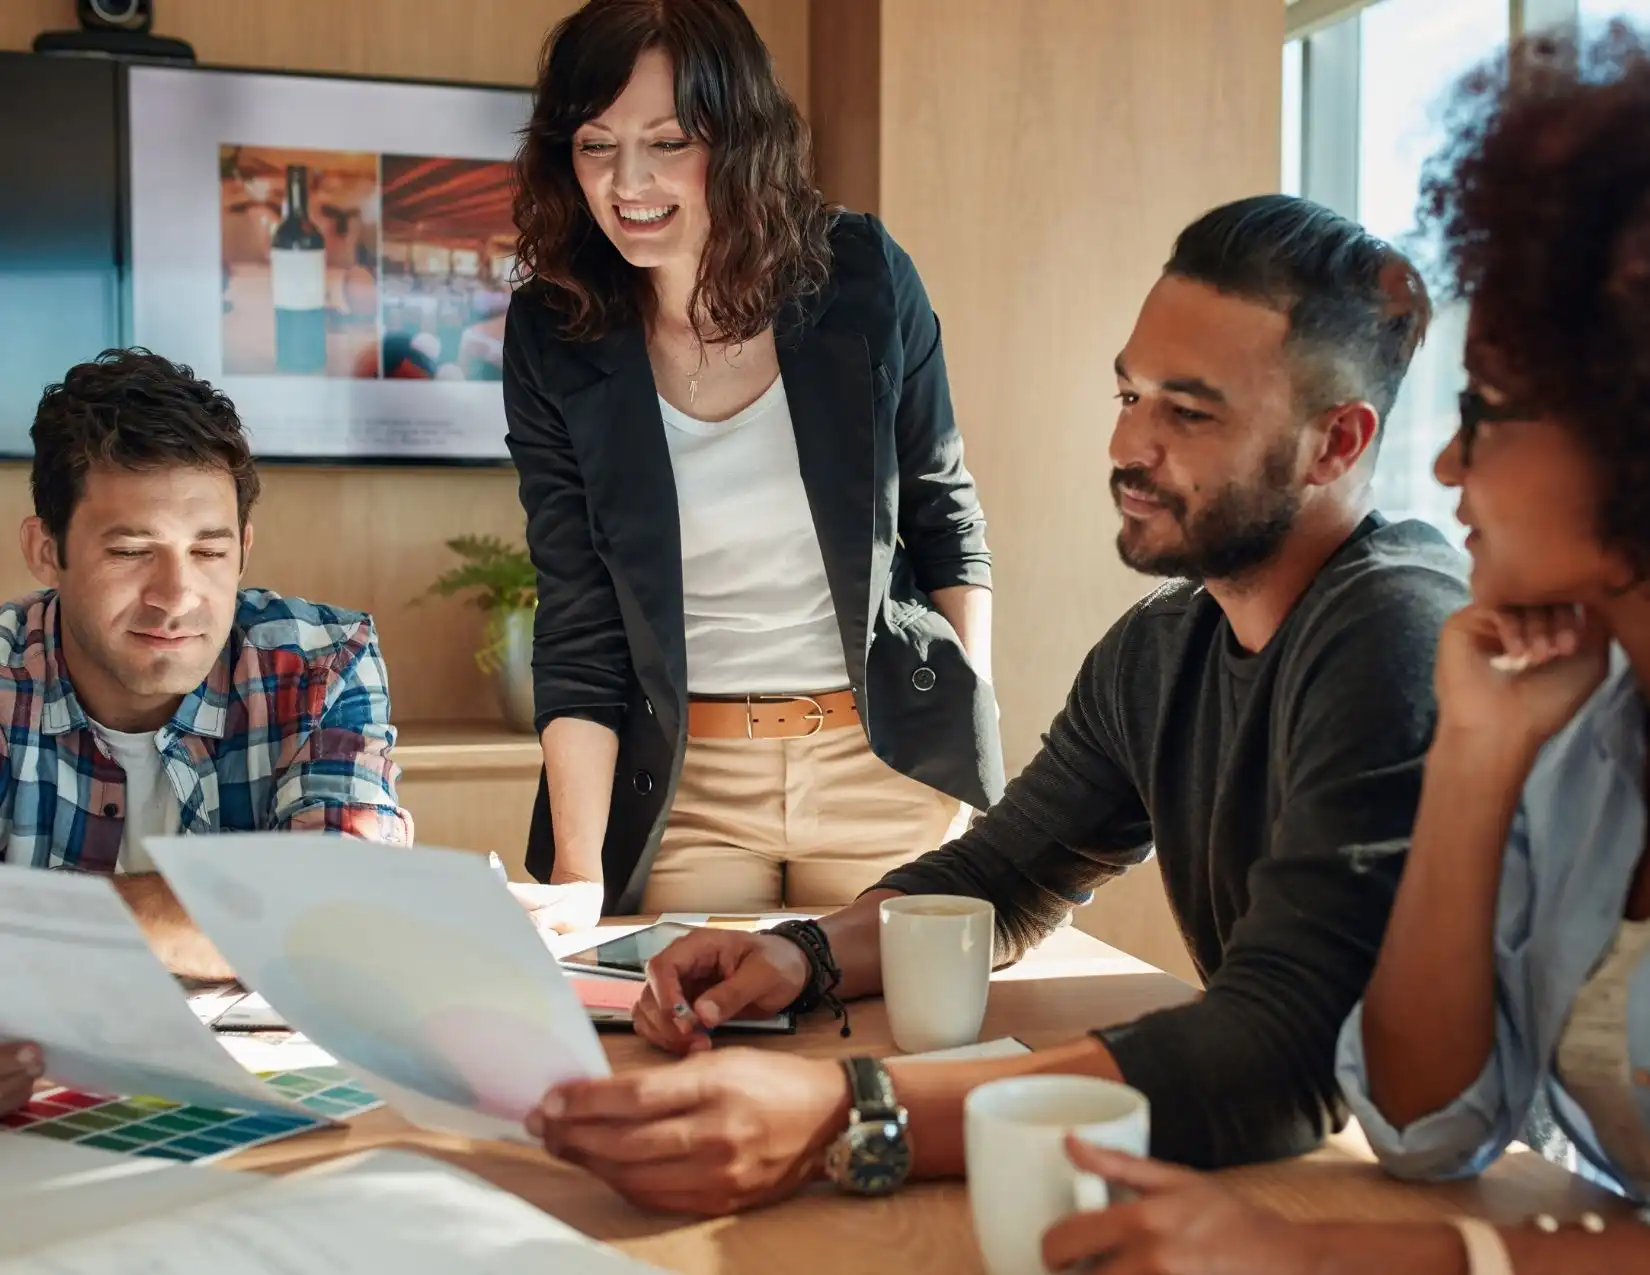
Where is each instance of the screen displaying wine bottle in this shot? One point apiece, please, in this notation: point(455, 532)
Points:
point(298, 282)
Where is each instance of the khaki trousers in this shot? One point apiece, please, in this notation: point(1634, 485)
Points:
point(760, 824)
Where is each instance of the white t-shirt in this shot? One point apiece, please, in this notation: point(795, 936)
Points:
point(756, 602)
point(151, 805)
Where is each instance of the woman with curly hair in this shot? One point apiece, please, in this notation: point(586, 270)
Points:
point(1516, 966)
point(762, 651)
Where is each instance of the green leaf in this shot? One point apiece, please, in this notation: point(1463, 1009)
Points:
point(500, 578)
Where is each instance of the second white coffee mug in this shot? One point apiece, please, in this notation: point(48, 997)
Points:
point(936, 969)
point(1020, 1179)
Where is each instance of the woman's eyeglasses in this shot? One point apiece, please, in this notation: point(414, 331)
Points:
point(1476, 411)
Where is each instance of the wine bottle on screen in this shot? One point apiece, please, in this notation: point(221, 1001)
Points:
point(298, 282)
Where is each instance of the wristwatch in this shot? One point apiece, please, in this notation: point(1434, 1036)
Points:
point(873, 1154)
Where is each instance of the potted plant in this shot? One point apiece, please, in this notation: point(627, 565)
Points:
point(506, 591)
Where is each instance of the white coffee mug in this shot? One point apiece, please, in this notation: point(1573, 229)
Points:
point(1020, 1180)
point(936, 969)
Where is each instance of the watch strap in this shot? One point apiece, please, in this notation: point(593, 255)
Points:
point(871, 1089)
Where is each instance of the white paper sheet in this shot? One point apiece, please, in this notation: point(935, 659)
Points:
point(561, 945)
point(287, 1051)
point(735, 920)
point(383, 1211)
point(78, 977)
point(54, 1191)
point(1002, 1047)
point(411, 966)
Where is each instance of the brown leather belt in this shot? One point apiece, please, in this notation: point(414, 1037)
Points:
point(770, 716)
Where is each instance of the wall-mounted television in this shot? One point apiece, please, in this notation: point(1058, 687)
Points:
point(335, 254)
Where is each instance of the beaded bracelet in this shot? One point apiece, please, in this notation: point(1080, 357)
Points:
point(824, 976)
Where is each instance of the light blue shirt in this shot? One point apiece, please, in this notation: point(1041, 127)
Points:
point(1575, 844)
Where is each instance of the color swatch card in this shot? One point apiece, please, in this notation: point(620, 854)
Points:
point(411, 966)
point(78, 977)
point(172, 1131)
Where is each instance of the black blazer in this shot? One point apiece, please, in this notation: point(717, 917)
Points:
point(895, 510)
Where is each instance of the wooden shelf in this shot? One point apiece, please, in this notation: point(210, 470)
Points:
point(425, 748)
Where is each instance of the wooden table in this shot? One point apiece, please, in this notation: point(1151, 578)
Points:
point(1072, 983)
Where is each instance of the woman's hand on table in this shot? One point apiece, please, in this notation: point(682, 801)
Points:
point(705, 978)
point(563, 908)
point(710, 1135)
point(1180, 1223)
point(21, 1064)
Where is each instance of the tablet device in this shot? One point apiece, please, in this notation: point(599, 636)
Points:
point(627, 957)
point(248, 1012)
point(609, 1002)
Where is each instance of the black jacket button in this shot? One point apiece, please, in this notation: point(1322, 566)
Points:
point(923, 678)
point(642, 782)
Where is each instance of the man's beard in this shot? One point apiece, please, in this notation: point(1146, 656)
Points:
point(1239, 530)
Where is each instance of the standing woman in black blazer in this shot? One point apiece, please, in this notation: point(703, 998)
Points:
point(762, 651)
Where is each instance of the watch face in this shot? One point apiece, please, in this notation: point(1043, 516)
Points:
point(878, 1158)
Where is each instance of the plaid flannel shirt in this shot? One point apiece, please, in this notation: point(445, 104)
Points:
point(290, 730)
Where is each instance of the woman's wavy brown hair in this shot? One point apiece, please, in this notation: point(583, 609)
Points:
point(768, 241)
point(1540, 208)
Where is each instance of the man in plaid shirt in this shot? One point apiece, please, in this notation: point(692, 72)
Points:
point(142, 691)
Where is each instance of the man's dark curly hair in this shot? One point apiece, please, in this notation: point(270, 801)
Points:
point(133, 410)
point(769, 225)
point(1539, 207)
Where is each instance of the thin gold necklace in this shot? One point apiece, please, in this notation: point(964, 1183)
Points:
point(693, 376)
point(704, 366)
point(693, 379)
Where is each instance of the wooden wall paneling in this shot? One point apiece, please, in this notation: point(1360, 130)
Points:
point(845, 99)
point(490, 41)
point(476, 810)
point(22, 20)
point(1037, 160)
point(470, 788)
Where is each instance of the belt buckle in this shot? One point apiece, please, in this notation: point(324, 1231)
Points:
point(816, 715)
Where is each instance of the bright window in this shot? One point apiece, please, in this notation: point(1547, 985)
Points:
point(1292, 88)
point(1412, 52)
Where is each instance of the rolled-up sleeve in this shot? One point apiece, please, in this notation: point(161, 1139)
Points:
point(341, 776)
point(940, 520)
point(581, 659)
point(1456, 1141)
point(1466, 1136)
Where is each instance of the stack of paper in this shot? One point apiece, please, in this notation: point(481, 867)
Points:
point(77, 976)
point(70, 1211)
